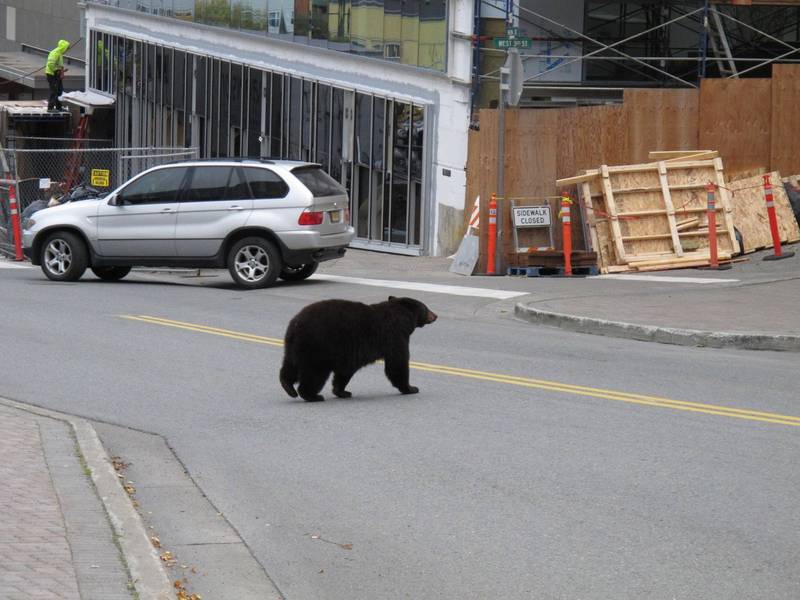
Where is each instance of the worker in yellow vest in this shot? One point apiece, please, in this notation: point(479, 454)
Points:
point(54, 69)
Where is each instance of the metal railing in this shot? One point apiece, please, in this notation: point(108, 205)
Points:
point(40, 173)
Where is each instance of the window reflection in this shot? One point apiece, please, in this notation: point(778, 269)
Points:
point(213, 12)
point(249, 14)
point(280, 17)
point(411, 32)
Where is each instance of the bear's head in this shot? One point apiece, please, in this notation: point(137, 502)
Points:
point(422, 314)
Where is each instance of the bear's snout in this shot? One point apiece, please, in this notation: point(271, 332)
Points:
point(431, 316)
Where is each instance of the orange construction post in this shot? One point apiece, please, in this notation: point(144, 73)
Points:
point(492, 249)
point(566, 228)
point(14, 207)
point(773, 222)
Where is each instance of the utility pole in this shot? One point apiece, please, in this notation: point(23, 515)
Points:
point(511, 76)
point(501, 143)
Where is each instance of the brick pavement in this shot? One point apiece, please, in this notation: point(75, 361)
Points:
point(56, 542)
point(35, 557)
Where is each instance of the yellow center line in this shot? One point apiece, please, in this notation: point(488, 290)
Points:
point(579, 390)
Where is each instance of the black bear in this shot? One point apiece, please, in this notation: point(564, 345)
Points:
point(341, 336)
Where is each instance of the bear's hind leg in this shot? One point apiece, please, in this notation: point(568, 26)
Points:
point(312, 380)
point(288, 376)
point(340, 381)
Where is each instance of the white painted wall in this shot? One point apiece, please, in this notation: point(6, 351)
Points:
point(446, 95)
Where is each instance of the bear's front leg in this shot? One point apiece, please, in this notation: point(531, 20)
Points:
point(396, 369)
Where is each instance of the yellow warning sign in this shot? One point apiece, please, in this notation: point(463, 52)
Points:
point(100, 177)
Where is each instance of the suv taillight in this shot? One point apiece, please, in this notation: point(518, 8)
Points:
point(310, 217)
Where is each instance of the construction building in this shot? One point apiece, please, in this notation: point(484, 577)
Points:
point(383, 92)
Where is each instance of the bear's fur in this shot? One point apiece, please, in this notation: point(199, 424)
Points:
point(341, 337)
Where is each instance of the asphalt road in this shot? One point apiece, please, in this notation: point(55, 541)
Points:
point(533, 463)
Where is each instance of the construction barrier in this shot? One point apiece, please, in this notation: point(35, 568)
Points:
point(773, 222)
point(15, 224)
point(475, 217)
point(566, 224)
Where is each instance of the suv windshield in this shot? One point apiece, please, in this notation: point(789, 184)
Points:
point(318, 181)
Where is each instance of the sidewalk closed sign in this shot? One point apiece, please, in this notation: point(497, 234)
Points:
point(531, 216)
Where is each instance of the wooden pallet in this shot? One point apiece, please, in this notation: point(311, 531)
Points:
point(551, 271)
point(551, 259)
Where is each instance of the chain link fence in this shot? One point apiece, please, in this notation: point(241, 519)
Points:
point(44, 168)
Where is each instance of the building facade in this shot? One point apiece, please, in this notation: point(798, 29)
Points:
point(377, 91)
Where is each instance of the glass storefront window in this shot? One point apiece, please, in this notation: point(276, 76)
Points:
point(323, 127)
point(372, 145)
point(295, 117)
point(253, 114)
point(276, 116)
point(179, 91)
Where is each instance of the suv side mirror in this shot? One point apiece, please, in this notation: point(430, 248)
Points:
point(115, 200)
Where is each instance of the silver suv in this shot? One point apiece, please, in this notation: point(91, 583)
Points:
point(261, 219)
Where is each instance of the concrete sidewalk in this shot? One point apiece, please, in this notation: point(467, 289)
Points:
point(753, 305)
point(68, 531)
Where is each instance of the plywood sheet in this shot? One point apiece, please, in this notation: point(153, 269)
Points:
point(785, 143)
point(660, 120)
point(735, 120)
point(590, 136)
point(750, 213)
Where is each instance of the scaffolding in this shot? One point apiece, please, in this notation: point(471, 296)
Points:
point(645, 44)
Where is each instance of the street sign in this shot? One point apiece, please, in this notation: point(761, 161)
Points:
point(505, 43)
point(531, 216)
point(512, 32)
point(514, 73)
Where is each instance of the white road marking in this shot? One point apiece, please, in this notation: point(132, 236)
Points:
point(454, 290)
point(665, 279)
point(4, 264)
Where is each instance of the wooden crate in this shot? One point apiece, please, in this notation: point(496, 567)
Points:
point(654, 215)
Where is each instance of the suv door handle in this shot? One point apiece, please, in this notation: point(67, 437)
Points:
point(236, 207)
point(168, 210)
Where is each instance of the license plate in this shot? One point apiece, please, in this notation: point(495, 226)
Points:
point(336, 216)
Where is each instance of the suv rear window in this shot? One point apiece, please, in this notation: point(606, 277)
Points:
point(318, 181)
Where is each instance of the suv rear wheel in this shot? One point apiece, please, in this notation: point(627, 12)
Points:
point(296, 273)
point(111, 273)
point(254, 262)
point(64, 256)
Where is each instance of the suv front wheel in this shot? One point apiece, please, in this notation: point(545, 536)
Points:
point(64, 256)
point(254, 263)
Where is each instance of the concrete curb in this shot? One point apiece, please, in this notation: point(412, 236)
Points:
point(148, 575)
point(662, 335)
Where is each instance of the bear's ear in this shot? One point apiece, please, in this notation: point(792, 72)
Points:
point(392, 298)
